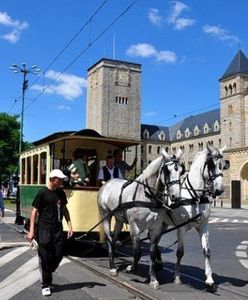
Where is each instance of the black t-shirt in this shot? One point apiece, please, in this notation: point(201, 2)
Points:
point(49, 204)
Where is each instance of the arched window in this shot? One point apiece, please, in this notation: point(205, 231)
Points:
point(158, 149)
point(178, 134)
point(226, 91)
point(230, 89)
point(234, 88)
point(149, 149)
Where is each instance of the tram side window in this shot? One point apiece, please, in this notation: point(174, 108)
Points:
point(23, 170)
point(35, 169)
point(43, 167)
point(28, 175)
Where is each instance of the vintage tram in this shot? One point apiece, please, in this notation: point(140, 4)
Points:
point(56, 151)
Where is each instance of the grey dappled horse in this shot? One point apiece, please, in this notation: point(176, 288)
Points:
point(140, 204)
point(203, 182)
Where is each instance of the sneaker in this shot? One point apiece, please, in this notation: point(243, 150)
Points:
point(46, 291)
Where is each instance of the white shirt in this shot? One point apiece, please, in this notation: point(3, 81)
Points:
point(111, 172)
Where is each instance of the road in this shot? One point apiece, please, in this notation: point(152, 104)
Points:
point(19, 276)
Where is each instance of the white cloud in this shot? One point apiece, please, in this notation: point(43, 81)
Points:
point(16, 26)
point(148, 50)
point(154, 16)
point(63, 107)
point(143, 50)
point(220, 33)
point(179, 23)
point(67, 85)
point(150, 114)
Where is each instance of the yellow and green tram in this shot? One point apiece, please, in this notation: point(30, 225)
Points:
point(56, 151)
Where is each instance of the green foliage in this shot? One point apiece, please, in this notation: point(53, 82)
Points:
point(9, 138)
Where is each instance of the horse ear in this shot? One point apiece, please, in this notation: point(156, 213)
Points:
point(179, 153)
point(210, 148)
point(222, 149)
point(165, 153)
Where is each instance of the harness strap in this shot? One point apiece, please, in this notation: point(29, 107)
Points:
point(184, 202)
point(177, 226)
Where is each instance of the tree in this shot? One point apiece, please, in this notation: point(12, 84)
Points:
point(9, 141)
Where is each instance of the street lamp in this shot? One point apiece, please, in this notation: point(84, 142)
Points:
point(25, 71)
point(33, 70)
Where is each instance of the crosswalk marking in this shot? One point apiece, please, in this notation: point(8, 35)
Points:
point(226, 220)
point(23, 277)
point(11, 255)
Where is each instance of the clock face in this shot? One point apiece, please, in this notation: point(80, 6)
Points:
point(123, 75)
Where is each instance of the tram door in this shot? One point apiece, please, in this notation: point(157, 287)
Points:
point(236, 194)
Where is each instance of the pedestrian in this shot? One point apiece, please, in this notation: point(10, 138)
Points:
point(50, 206)
point(121, 164)
point(2, 202)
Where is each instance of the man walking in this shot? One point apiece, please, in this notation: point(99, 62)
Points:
point(50, 206)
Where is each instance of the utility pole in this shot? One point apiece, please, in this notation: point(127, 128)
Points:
point(25, 71)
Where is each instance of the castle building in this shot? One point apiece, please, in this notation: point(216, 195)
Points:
point(114, 105)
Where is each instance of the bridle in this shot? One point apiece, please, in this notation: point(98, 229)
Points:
point(210, 165)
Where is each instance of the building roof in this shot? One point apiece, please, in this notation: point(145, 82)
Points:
point(114, 61)
point(190, 122)
point(199, 120)
point(155, 131)
point(239, 65)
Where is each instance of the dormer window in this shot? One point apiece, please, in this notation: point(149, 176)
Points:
point(187, 132)
point(216, 126)
point(178, 134)
point(196, 130)
point(161, 135)
point(146, 134)
point(206, 128)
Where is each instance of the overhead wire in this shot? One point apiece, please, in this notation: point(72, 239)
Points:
point(63, 50)
point(187, 113)
point(71, 40)
point(83, 51)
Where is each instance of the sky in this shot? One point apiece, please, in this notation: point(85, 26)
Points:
point(184, 48)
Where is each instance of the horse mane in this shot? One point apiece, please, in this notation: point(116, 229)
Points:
point(151, 169)
point(201, 155)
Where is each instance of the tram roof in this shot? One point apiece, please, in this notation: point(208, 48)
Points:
point(87, 134)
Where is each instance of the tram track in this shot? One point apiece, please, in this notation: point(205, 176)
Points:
point(145, 292)
point(139, 294)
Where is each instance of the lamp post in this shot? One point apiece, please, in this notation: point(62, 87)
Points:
point(25, 71)
point(33, 70)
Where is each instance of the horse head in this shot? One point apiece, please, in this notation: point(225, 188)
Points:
point(213, 169)
point(169, 175)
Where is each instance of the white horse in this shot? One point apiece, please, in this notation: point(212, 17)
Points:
point(140, 204)
point(203, 182)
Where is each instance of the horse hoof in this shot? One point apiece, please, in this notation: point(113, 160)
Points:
point(177, 281)
point(154, 285)
point(113, 272)
point(129, 269)
point(211, 288)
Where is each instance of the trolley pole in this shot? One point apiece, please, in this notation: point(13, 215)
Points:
point(33, 70)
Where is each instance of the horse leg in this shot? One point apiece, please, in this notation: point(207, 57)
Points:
point(111, 246)
point(153, 256)
point(180, 253)
point(136, 254)
point(204, 236)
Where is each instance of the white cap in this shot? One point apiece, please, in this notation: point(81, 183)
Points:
point(58, 173)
